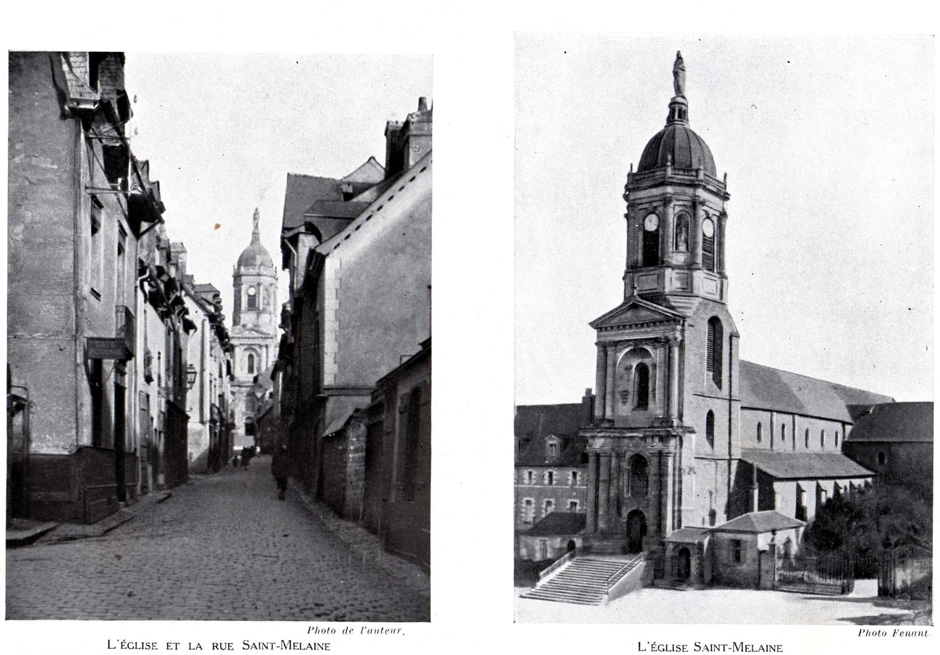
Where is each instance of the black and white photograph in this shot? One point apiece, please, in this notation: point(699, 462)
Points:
point(723, 329)
point(218, 337)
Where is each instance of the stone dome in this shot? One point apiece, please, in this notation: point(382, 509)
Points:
point(677, 145)
point(255, 254)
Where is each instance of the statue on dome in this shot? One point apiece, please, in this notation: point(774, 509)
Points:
point(678, 76)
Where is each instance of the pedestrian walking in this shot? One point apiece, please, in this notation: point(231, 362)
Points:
point(247, 453)
point(280, 468)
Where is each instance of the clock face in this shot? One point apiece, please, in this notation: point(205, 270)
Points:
point(651, 223)
point(251, 291)
point(708, 228)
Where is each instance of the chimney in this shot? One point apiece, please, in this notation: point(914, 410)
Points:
point(406, 143)
point(587, 408)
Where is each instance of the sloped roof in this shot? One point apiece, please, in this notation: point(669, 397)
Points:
point(688, 536)
point(763, 387)
point(537, 421)
point(759, 522)
point(371, 171)
point(804, 466)
point(302, 192)
point(558, 523)
point(532, 452)
point(335, 208)
point(895, 422)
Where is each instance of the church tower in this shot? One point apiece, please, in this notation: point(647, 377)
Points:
point(254, 331)
point(663, 441)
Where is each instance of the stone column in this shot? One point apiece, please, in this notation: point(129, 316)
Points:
point(665, 489)
point(632, 257)
point(603, 492)
point(667, 244)
point(600, 381)
point(674, 381)
point(610, 384)
point(696, 235)
point(614, 502)
point(591, 492)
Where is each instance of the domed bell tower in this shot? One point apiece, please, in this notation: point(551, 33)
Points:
point(676, 216)
point(666, 409)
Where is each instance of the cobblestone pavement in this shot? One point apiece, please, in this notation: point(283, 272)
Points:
point(223, 547)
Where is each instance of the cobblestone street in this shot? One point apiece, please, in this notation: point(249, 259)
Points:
point(223, 547)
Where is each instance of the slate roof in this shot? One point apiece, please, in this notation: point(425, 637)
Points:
point(534, 423)
point(804, 466)
point(763, 387)
point(534, 452)
point(302, 192)
point(688, 536)
point(558, 523)
point(759, 522)
point(894, 422)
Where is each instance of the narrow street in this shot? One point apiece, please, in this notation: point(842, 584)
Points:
point(223, 547)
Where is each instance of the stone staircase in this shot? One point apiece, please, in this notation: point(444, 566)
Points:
point(585, 581)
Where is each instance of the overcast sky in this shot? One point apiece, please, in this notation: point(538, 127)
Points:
point(223, 131)
point(828, 147)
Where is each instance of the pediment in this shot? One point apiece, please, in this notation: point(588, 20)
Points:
point(635, 311)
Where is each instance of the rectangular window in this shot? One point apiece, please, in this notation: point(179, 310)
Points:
point(528, 510)
point(574, 478)
point(572, 506)
point(120, 294)
point(736, 554)
point(708, 252)
point(549, 507)
point(550, 478)
point(552, 449)
point(94, 248)
point(529, 477)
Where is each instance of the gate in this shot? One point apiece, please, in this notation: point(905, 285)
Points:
point(906, 572)
point(830, 574)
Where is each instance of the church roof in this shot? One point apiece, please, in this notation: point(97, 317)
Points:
point(677, 145)
point(784, 465)
point(894, 422)
point(759, 522)
point(763, 387)
point(255, 255)
point(557, 523)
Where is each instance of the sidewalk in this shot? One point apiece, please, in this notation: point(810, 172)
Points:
point(27, 531)
point(366, 546)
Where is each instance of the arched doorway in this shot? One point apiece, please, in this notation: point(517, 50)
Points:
point(683, 564)
point(572, 546)
point(636, 530)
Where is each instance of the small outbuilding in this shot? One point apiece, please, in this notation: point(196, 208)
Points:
point(744, 549)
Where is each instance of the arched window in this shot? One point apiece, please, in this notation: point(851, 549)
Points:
point(783, 432)
point(708, 244)
point(651, 240)
point(710, 428)
point(252, 299)
point(641, 383)
point(806, 439)
point(760, 432)
point(882, 458)
point(251, 363)
point(713, 350)
point(682, 233)
point(822, 438)
point(639, 477)
point(837, 438)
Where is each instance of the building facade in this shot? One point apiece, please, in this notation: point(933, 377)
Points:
point(98, 323)
point(358, 251)
point(78, 206)
point(254, 336)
